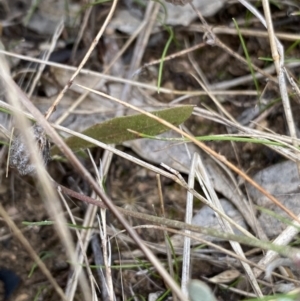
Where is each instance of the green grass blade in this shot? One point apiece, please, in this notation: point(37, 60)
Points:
point(247, 57)
point(161, 64)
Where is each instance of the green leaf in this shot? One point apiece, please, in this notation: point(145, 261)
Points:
point(199, 291)
point(115, 131)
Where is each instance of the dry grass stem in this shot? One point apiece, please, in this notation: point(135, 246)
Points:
point(46, 57)
point(100, 83)
point(87, 176)
point(84, 60)
point(211, 195)
point(205, 148)
point(150, 15)
point(138, 208)
point(186, 260)
point(127, 81)
point(45, 187)
point(278, 57)
point(166, 235)
point(80, 257)
point(244, 32)
point(176, 177)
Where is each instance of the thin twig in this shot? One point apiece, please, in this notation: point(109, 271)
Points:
point(84, 60)
point(84, 23)
point(169, 57)
point(41, 68)
point(150, 15)
point(127, 81)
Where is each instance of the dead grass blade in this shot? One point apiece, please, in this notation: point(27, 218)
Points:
point(186, 258)
point(205, 148)
point(87, 176)
point(126, 81)
point(86, 57)
point(43, 181)
point(278, 57)
point(211, 195)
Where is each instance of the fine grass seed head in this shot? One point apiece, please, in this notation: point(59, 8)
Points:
point(19, 157)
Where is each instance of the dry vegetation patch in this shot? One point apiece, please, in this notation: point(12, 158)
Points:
point(234, 187)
